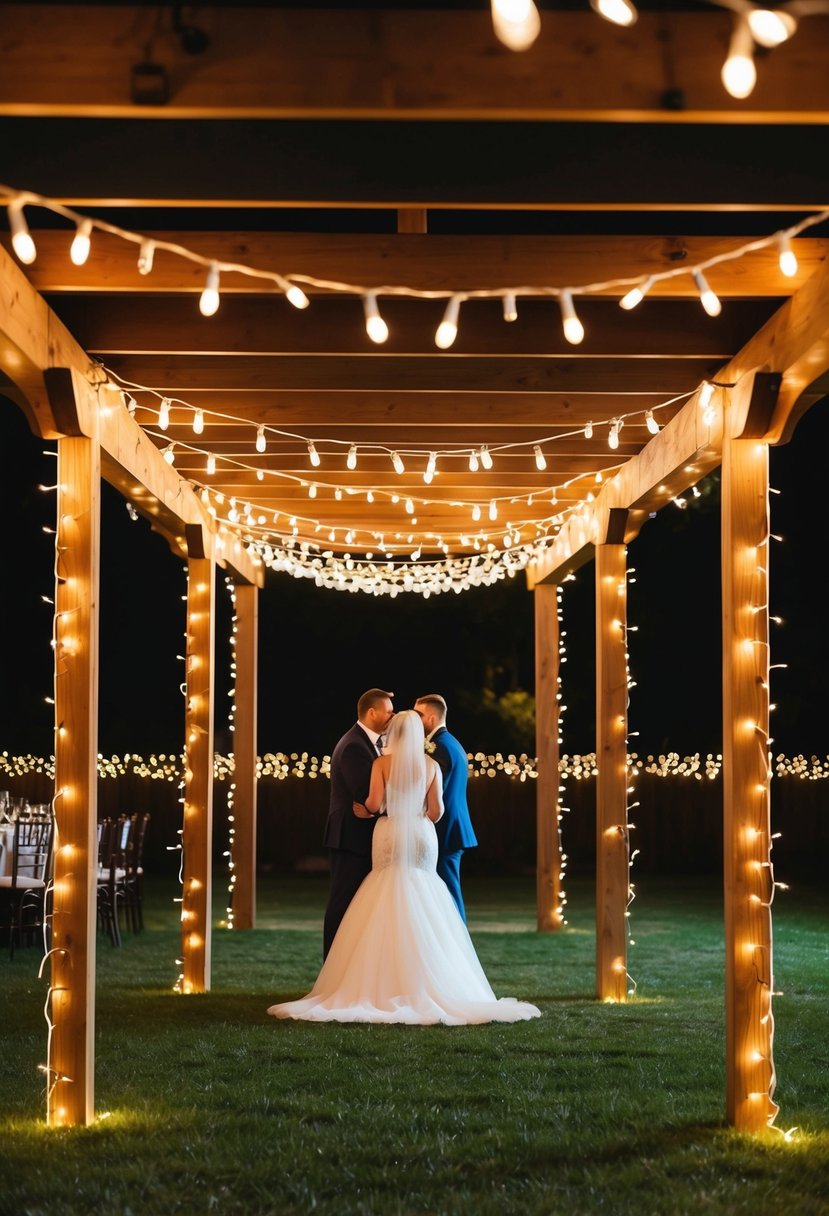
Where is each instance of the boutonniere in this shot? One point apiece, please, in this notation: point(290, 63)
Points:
point(429, 746)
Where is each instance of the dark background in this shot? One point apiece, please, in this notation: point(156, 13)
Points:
point(320, 649)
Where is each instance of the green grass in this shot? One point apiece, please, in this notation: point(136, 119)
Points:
point(211, 1106)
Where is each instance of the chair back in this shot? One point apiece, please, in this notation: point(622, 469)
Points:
point(32, 847)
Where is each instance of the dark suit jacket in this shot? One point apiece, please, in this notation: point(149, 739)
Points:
point(351, 763)
point(454, 828)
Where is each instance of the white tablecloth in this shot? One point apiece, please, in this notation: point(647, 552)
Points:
point(6, 840)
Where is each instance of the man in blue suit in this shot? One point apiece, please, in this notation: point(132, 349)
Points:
point(454, 828)
point(347, 838)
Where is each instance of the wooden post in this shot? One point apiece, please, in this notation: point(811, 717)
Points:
point(71, 1088)
point(612, 848)
point(197, 837)
point(549, 910)
point(244, 755)
point(748, 877)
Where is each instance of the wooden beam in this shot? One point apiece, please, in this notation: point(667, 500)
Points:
point(447, 372)
point(286, 63)
point(612, 847)
point(513, 165)
point(126, 324)
point(243, 849)
point(548, 863)
point(197, 835)
point(71, 1075)
point(749, 878)
point(438, 262)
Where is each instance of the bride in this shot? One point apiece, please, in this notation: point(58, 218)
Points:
point(402, 952)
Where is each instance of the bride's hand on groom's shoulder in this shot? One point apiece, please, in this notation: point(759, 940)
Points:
point(360, 811)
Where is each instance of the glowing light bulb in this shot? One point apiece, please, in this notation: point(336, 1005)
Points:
point(473, 462)
point(296, 296)
point(510, 307)
point(486, 458)
point(493, 509)
point(516, 23)
point(198, 422)
point(313, 454)
point(261, 441)
point(409, 506)
point(376, 327)
point(351, 458)
point(636, 294)
point(164, 414)
point(22, 242)
point(447, 331)
point(145, 257)
point(770, 27)
point(211, 463)
point(613, 436)
point(620, 12)
point(397, 463)
point(209, 300)
point(709, 300)
point(573, 328)
point(651, 423)
point(706, 392)
point(312, 491)
point(540, 461)
point(739, 75)
point(476, 512)
point(169, 453)
point(81, 243)
point(787, 259)
point(429, 471)
point(588, 431)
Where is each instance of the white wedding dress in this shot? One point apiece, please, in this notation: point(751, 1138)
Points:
point(402, 952)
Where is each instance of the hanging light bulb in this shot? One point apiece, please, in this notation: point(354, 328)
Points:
point(787, 258)
point(540, 461)
point(261, 441)
point(209, 301)
point(636, 294)
point(709, 300)
point(510, 306)
point(351, 458)
point(620, 12)
point(493, 509)
point(651, 423)
point(476, 512)
point(132, 405)
point(211, 463)
point(81, 243)
point(613, 436)
point(769, 26)
point(198, 422)
point(486, 458)
point(573, 328)
point(22, 241)
point(369, 496)
point(739, 75)
point(169, 453)
point(376, 327)
point(447, 331)
point(473, 461)
point(164, 413)
point(313, 454)
point(429, 471)
point(706, 392)
point(516, 23)
point(145, 257)
point(409, 506)
point(296, 296)
point(588, 431)
point(398, 464)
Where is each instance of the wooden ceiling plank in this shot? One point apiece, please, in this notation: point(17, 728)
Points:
point(78, 59)
point(437, 262)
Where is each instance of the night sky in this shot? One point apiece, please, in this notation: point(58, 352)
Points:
point(320, 649)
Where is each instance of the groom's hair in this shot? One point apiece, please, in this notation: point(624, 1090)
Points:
point(436, 702)
point(371, 698)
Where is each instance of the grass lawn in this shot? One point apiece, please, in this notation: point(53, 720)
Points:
point(208, 1105)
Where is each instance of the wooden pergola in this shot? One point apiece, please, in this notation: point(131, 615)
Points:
point(401, 158)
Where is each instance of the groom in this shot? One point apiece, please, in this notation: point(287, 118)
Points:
point(454, 828)
point(348, 838)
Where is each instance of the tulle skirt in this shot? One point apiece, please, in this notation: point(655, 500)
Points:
point(402, 954)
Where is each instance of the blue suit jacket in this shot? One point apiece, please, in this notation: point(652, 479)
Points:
point(351, 763)
point(454, 828)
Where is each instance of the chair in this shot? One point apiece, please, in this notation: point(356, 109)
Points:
point(133, 887)
point(31, 872)
point(111, 874)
